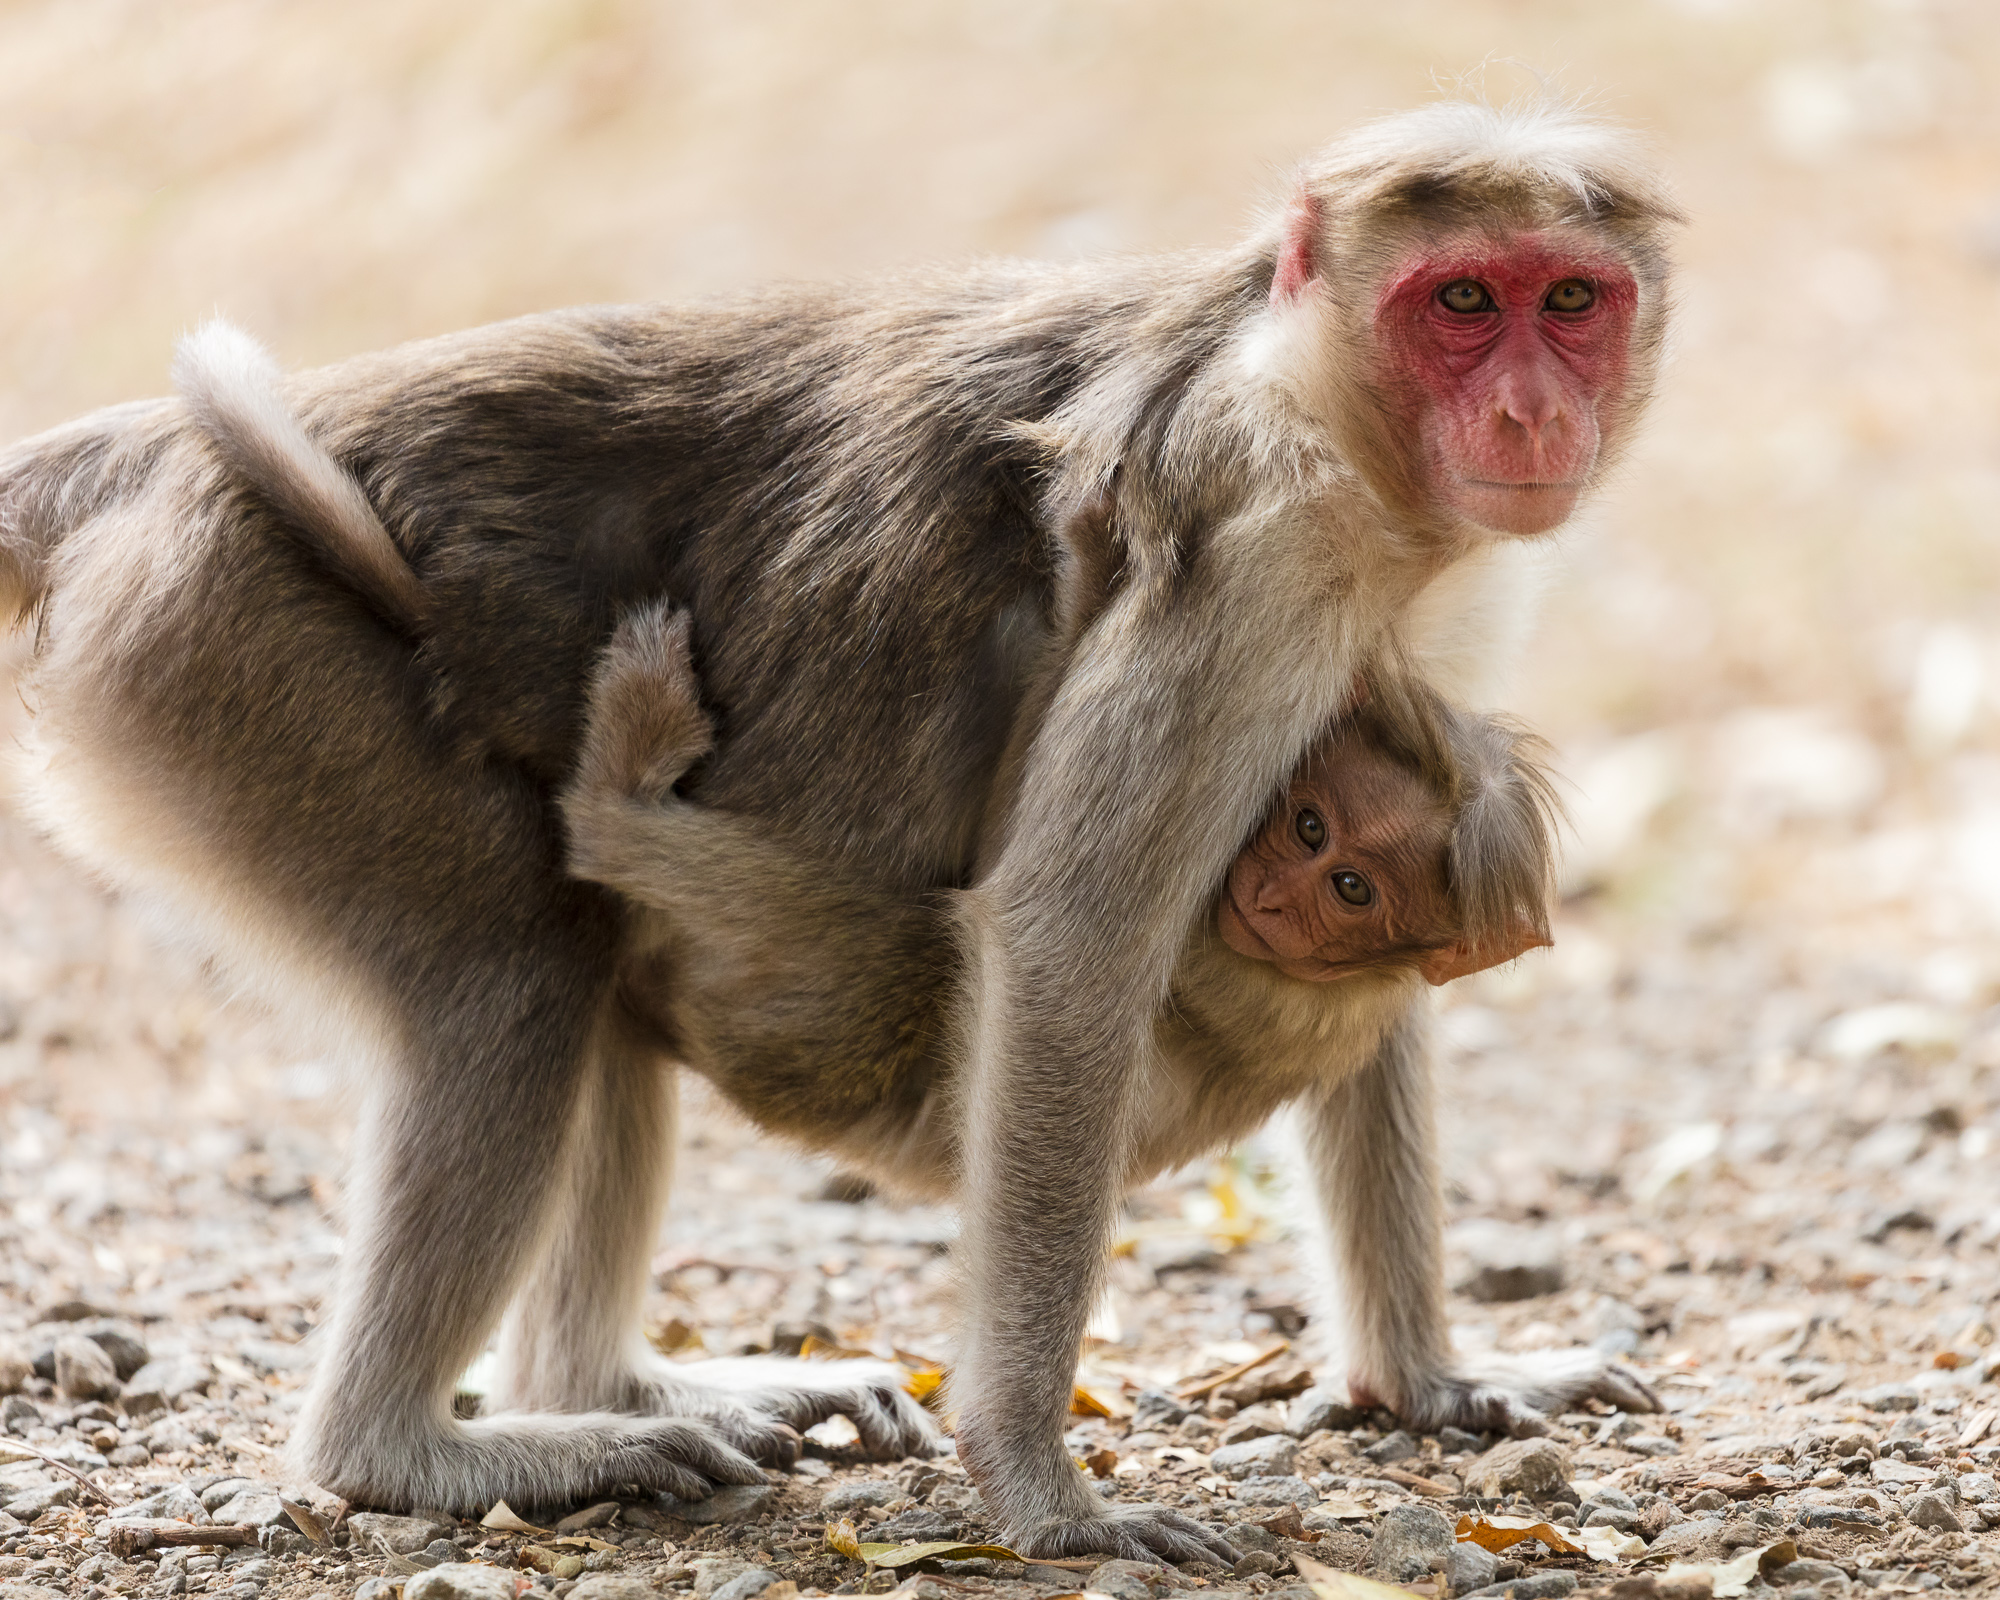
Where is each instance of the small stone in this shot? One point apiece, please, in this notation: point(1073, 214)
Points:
point(596, 1516)
point(1280, 1491)
point(1542, 1586)
point(259, 1508)
point(18, 1413)
point(1406, 1538)
point(1508, 1262)
point(1255, 1562)
point(130, 1455)
point(613, 1586)
point(1650, 1444)
point(222, 1490)
point(19, 1590)
point(1889, 1397)
point(1696, 1540)
point(1155, 1408)
point(175, 1503)
point(1321, 1408)
point(1278, 1381)
point(1656, 1519)
point(714, 1572)
point(739, 1503)
point(843, 1498)
point(171, 1377)
point(565, 1567)
point(1708, 1500)
point(920, 1524)
point(384, 1589)
point(31, 1503)
point(82, 1370)
point(1933, 1511)
point(1272, 1457)
point(1252, 1536)
point(460, 1581)
point(1258, 1423)
point(121, 1342)
point(1128, 1580)
point(1398, 1446)
point(1794, 1573)
point(15, 1370)
point(1469, 1566)
point(1457, 1442)
point(396, 1536)
point(1833, 1516)
point(1599, 1516)
point(1533, 1467)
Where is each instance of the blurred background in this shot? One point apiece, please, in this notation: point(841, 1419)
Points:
point(1758, 1068)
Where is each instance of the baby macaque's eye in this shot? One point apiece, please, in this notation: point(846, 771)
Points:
point(1310, 829)
point(1353, 888)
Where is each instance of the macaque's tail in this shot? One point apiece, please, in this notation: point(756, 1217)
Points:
point(232, 390)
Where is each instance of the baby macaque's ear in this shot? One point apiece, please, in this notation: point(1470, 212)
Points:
point(1461, 960)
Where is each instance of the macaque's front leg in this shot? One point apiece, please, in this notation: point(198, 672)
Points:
point(1371, 1146)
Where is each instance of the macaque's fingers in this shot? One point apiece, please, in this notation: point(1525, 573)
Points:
point(869, 1394)
point(684, 1448)
point(1131, 1533)
point(1514, 1394)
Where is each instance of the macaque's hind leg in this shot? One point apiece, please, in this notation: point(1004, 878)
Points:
point(1371, 1146)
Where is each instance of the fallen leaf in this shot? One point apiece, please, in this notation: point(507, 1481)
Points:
point(501, 1519)
point(813, 1349)
point(1195, 1388)
point(1608, 1544)
point(1977, 1428)
point(534, 1555)
point(673, 1336)
point(1346, 1510)
point(1729, 1579)
point(923, 1385)
point(1082, 1403)
point(581, 1541)
point(843, 1540)
point(1329, 1584)
point(1102, 1461)
point(303, 1519)
point(903, 1555)
point(1502, 1533)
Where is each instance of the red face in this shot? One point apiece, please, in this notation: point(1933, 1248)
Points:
point(1348, 875)
point(1499, 356)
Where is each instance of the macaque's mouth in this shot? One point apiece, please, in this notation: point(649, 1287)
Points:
point(1569, 485)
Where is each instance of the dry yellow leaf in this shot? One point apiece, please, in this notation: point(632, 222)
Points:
point(1082, 1403)
point(1500, 1533)
point(924, 1385)
point(1330, 1584)
point(501, 1519)
point(842, 1540)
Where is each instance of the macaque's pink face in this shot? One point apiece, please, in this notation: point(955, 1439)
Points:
point(1501, 355)
point(1347, 875)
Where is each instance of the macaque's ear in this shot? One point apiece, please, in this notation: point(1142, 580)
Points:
point(1298, 254)
point(1461, 960)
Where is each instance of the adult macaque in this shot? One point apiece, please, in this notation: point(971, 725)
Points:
point(869, 499)
point(822, 1004)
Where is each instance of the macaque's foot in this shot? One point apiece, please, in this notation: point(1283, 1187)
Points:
point(526, 1459)
point(780, 1392)
point(1514, 1394)
point(1131, 1533)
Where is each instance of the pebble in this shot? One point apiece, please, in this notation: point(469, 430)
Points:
point(919, 1524)
point(401, 1536)
point(458, 1582)
point(31, 1503)
point(1278, 1381)
point(745, 1585)
point(1508, 1262)
point(1277, 1491)
point(1321, 1408)
point(1387, 1451)
point(1533, 1467)
point(1406, 1538)
point(738, 1503)
point(171, 1378)
point(258, 1507)
point(845, 1497)
point(1255, 1562)
point(82, 1370)
point(1889, 1397)
point(1935, 1512)
point(596, 1516)
point(175, 1503)
point(612, 1586)
point(1155, 1408)
point(1793, 1574)
point(1542, 1586)
point(713, 1572)
point(1468, 1566)
point(1256, 1458)
point(1128, 1580)
point(15, 1370)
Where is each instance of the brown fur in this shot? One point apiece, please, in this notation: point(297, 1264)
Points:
point(860, 494)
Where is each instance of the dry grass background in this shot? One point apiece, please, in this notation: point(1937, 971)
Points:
point(1773, 664)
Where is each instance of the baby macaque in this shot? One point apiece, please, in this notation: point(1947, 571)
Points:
point(1412, 843)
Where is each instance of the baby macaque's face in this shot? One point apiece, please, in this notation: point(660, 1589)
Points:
point(1348, 875)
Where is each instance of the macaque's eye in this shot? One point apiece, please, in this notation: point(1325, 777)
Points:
point(1353, 888)
point(1310, 829)
point(1572, 294)
point(1466, 296)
